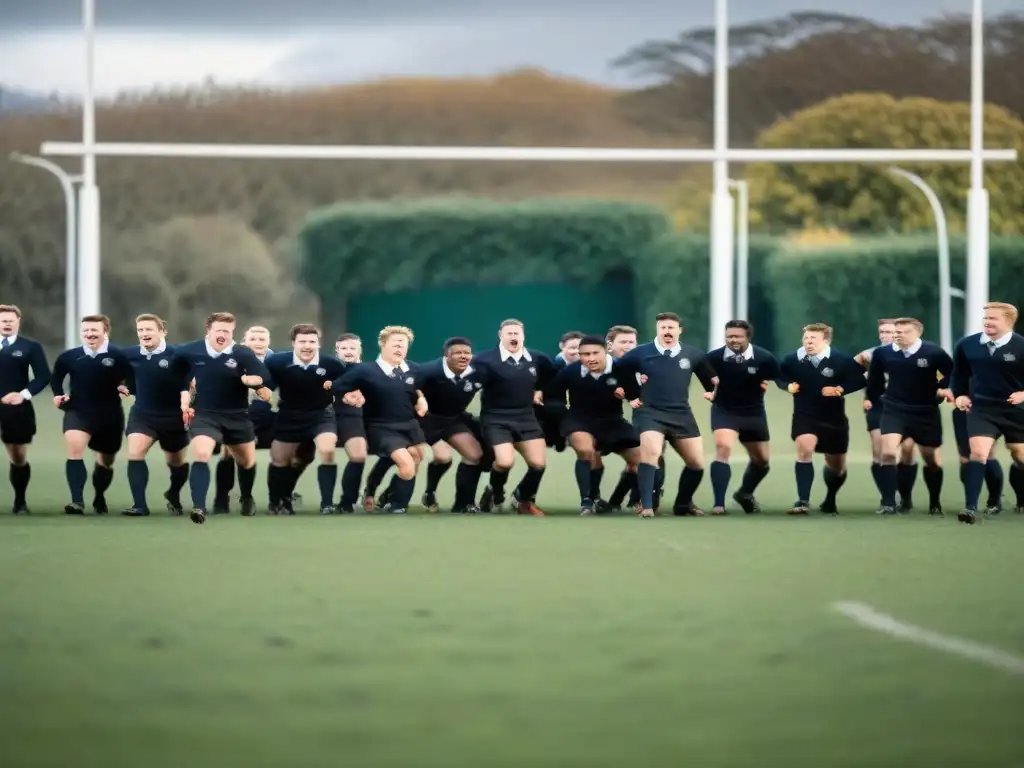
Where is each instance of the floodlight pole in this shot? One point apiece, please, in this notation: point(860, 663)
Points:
point(742, 248)
point(67, 184)
point(88, 194)
point(946, 290)
point(977, 195)
point(722, 210)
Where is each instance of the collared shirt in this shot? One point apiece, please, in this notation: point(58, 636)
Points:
point(609, 361)
point(1002, 341)
point(214, 353)
point(104, 348)
point(911, 350)
point(311, 364)
point(746, 354)
point(521, 354)
point(449, 373)
point(158, 351)
point(10, 340)
point(388, 368)
point(673, 350)
point(816, 359)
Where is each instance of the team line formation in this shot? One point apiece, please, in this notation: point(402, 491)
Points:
point(213, 398)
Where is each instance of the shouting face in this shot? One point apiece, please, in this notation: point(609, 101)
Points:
point(458, 357)
point(668, 333)
point(219, 335)
point(150, 334)
point(512, 337)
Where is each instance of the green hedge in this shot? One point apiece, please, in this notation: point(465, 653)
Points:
point(851, 286)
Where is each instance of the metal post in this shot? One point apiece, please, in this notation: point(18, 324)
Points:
point(946, 290)
point(722, 210)
point(67, 185)
point(742, 248)
point(977, 196)
point(89, 197)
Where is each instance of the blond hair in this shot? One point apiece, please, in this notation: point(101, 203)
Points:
point(822, 328)
point(394, 330)
point(12, 308)
point(1009, 311)
point(149, 318)
point(910, 321)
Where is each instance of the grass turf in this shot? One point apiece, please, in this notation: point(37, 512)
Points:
point(496, 640)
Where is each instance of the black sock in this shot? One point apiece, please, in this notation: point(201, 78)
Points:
point(74, 470)
point(247, 479)
point(994, 483)
point(887, 479)
point(875, 469)
point(1017, 481)
point(351, 477)
point(224, 483)
point(277, 483)
point(376, 476)
point(401, 492)
point(582, 471)
point(138, 480)
point(906, 476)
point(963, 474)
point(435, 471)
point(752, 477)
point(326, 479)
point(199, 483)
point(804, 481)
point(101, 479)
point(497, 482)
point(659, 476)
point(721, 474)
point(689, 479)
point(626, 483)
point(596, 476)
point(833, 482)
point(530, 484)
point(20, 474)
point(179, 476)
point(634, 490)
point(933, 482)
point(466, 478)
point(974, 478)
point(645, 482)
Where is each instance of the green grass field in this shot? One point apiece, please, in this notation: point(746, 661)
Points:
point(505, 641)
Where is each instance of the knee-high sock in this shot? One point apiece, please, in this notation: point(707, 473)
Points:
point(752, 477)
point(467, 477)
point(199, 483)
point(224, 481)
point(582, 471)
point(804, 481)
point(875, 475)
point(179, 476)
point(933, 477)
point(689, 480)
point(351, 477)
point(247, 479)
point(1017, 482)
point(596, 476)
point(906, 476)
point(889, 483)
point(833, 482)
point(326, 478)
point(377, 473)
point(497, 481)
point(74, 470)
point(20, 474)
point(627, 483)
point(645, 480)
point(435, 471)
point(721, 474)
point(994, 483)
point(401, 492)
point(277, 484)
point(101, 479)
point(974, 478)
point(138, 480)
point(530, 484)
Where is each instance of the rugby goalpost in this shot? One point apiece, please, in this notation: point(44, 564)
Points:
point(722, 288)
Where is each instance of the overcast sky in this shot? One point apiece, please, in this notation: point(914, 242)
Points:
point(141, 43)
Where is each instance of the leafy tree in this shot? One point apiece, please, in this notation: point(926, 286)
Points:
point(866, 197)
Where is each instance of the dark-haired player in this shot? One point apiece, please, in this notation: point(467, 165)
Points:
point(988, 383)
point(738, 413)
point(906, 377)
point(93, 416)
point(155, 416)
point(994, 477)
point(305, 413)
point(513, 378)
point(620, 340)
point(596, 385)
point(392, 404)
point(224, 373)
point(18, 356)
point(819, 377)
point(551, 412)
point(665, 367)
point(348, 348)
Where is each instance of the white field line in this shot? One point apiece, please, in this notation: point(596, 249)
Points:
point(868, 617)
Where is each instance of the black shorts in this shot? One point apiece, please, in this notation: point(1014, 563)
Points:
point(675, 425)
point(225, 427)
point(611, 435)
point(874, 416)
point(751, 427)
point(923, 426)
point(303, 426)
point(167, 429)
point(1005, 421)
point(833, 437)
point(17, 423)
point(550, 420)
point(439, 428)
point(105, 428)
point(349, 426)
point(384, 438)
point(501, 429)
point(264, 421)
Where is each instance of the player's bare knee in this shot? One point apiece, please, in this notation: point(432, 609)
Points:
point(723, 452)
point(327, 456)
point(586, 454)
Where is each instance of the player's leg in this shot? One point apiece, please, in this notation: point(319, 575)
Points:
point(534, 453)
point(888, 473)
point(994, 480)
point(17, 429)
point(177, 465)
point(834, 443)
point(596, 476)
point(376, 476)
point(440, 463)
point(224, 482)
point(76, 442)
point(406, 461)
point(139, 443)
point(325, 446)
point(467, 475)
point(982, 433)
point(582, 444)
point(352, 438)
point(205, 439)
point(279, 476)
point(875, 435)
point(759, 453)
point(805, 443)
point(933, 476)
point(652, 444)
point(1016, 449)
point(690, 448)
point(245, 458)
point(102, 474)
point(906, 474)
point(501, 440)
point(721, 469)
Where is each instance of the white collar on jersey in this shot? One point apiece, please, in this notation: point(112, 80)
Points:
point(746, 354)
point(608, 363)
point(450, 374)
point(522, 354)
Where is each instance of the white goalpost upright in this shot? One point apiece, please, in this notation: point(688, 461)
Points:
point(722, 293)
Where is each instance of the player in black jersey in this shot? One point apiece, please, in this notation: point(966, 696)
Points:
point(819, 377)
point(596, 385)
point(18, 356)
point(513, 379)
point(348, 348)
point(155, 416)
point(738, 413)
point(305, 414)
point(93, 417)
point(551, 412)
point(224, 374)
point(620, 340)
point(988, 383)
point(906, 377)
